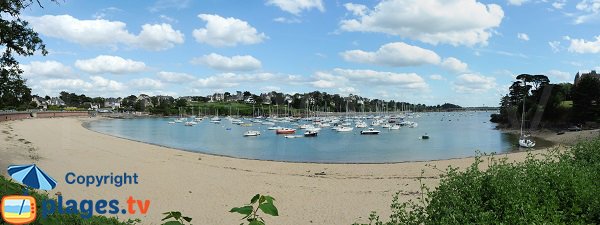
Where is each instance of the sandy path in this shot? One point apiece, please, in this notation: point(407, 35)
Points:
point(205, 187)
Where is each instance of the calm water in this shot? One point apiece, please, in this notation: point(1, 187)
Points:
point(451, 135)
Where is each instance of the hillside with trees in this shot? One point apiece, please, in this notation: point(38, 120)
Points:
point(550, 105)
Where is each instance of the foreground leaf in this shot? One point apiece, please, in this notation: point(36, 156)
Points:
point(269, 208)
point(246, 210)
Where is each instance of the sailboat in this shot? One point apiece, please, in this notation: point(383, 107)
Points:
point(524, 140)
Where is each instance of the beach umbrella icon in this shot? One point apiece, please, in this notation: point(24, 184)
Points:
point(32, 176)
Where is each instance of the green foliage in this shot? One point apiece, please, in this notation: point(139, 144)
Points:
point(176, 218)
point(8, 187)
point(17, 38)
point(250, 211)
point(586, 99)
point(531, 88)
point(555, 188)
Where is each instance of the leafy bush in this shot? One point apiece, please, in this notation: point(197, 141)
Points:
point(556, 188)
point(262, 202)
point(176, 218)
point(8, 187)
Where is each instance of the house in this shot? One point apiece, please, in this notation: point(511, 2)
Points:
point(249, 100)
point(216, 97)
point(593, 74)
point(266, 98)
point(239, 96)
point(41, 102)
point(112, 103)
point(146, 101)
point(187, 98)
point(56, 101)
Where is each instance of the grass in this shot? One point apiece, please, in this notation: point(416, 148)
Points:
point(566, 104)
point(557, 188)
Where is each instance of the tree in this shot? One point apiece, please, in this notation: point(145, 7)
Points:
point(586, 99)
point(181, 102)
point(16, 37)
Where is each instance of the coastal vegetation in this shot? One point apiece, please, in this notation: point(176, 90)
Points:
point(250, 211)
point(550, 105)
point(18, 38)
point(551, 188)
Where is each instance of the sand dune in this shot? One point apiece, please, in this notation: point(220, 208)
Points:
point(205, 187)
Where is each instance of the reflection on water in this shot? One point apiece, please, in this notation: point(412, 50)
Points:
point(452, 135)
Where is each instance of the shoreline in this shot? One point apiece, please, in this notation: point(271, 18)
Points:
point(205, 187)
point(514, 150)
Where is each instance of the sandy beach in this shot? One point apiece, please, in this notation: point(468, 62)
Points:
point(205, 187)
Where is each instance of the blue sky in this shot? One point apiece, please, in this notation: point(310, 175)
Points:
point(425, 51)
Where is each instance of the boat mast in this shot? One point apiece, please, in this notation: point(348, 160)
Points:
point(523, 114)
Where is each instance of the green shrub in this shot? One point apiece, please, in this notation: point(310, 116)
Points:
point(250, 211)
point(556, 188)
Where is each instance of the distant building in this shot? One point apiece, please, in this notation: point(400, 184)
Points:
point(266, 98)
point(56, 101)
point(249, 100)
point(146, 101)
point(239, 96)
point(112, 103)
point(593, 74)
point(187, 98)
point(41, 102)
point(216, 97)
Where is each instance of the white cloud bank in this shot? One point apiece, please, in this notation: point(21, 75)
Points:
point(297, 6)
point(582, 46)
point(429, 21)
point(224, 63)
point(110, 64)
point(227, 32)
point(101, 32)
point(400, 54)
point(474, 83)
point(47, 69)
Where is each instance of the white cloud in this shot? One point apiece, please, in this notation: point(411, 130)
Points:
point(110, 64)
point(517, 2)
point(227, 80)
point(523, 36)
point(436, 77)
point(357, 9)
point(227, 32)
point(49, 69)
point(429, 21)
point(224, 63)
point(454, 65)
point(590, 10)
point(169, 4)
point(559, 4)
point(297, 6)
point(146, 84)
point(101, 32)
point(554, 45)
point(557, 76)
point(172, 77)
point(102, 84)
point(394, 54)
point(474, 83)
point(582, 46)
point(96, 84)
point(287, 20)
point(159, 37)
point(346, 79)
point(65, 84)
